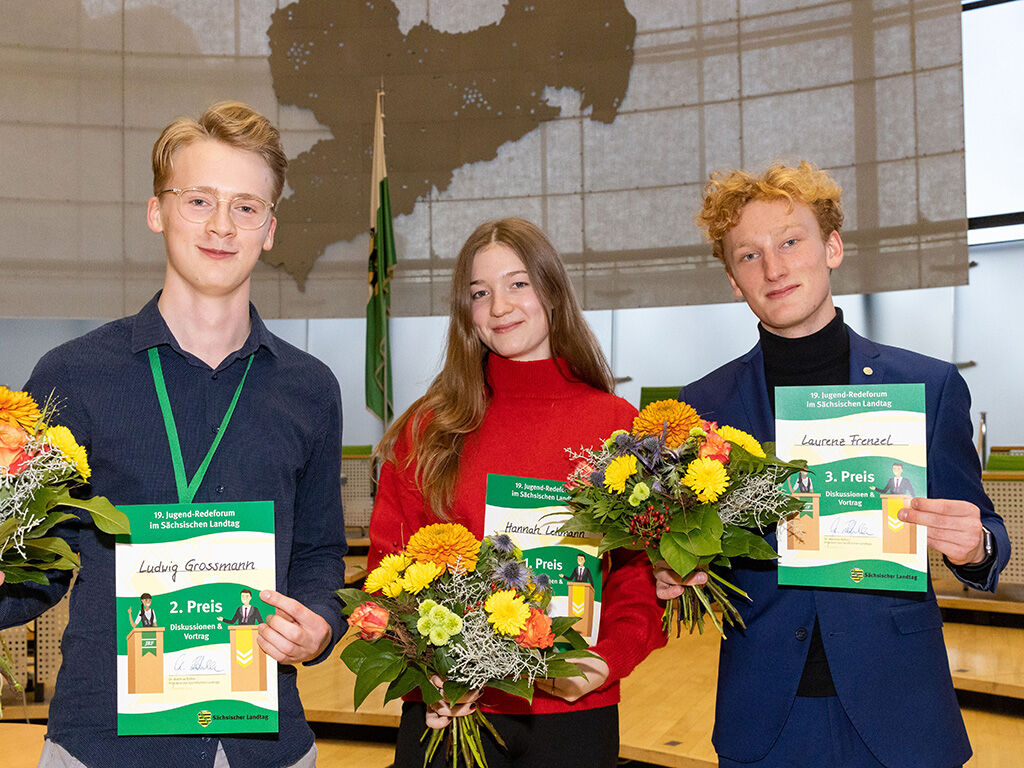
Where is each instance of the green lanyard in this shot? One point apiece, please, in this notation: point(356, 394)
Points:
point(187, 490)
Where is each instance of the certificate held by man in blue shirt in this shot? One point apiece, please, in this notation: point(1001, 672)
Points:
point(194, 402)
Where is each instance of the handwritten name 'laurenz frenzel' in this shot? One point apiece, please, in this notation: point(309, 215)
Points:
point(847, 440)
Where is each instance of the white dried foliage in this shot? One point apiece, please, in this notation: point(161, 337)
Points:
point(756, 501)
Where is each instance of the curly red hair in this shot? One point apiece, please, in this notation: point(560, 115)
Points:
point(726, 192)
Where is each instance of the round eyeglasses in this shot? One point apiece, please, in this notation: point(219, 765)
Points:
point(197, 205)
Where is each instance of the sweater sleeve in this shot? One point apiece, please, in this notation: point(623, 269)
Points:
point(399, 509)
point(630, 615)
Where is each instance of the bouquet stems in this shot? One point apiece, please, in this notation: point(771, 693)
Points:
point(699, 601)
point(463, 740)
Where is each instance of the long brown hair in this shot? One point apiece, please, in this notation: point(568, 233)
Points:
point(456, 400)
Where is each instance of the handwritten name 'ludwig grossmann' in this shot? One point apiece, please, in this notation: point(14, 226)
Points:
point(193, 565)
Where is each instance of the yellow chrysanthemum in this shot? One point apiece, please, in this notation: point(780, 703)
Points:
point(707, 478)
point(62, 440)
point(419, 576)
point(448, 544)
point(742, 439)
point(508, 612)
point(380, 577)
point(618, 471)
point(399, 561)
point(19, 410)
point(394, 589)
point(672, 417)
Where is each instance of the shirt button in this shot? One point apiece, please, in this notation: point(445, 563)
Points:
point(206, 738)
point(214, 377)
point(213, 429)
point(220, 489)
point(801, 634)
point(202, 755)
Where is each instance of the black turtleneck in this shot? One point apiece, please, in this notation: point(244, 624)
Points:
point(820, 359)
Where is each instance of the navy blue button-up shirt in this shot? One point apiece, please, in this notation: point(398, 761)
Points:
point(283, 444)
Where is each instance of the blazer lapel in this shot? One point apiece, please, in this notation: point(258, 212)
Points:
point(754, 395)
point(864, 360)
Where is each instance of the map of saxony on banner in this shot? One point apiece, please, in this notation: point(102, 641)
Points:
point(867, 452)
point(530, 511)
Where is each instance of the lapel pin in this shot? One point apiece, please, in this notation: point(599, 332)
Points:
point(868, 370)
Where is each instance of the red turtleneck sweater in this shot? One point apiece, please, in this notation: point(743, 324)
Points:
point(534, 415)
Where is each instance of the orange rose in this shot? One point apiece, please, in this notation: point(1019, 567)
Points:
point(715, 446)
point(12, 441)
point(537, 632)
point(370, 619)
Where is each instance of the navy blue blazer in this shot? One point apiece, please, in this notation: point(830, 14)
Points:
point(885, 649)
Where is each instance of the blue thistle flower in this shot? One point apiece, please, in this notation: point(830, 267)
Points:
point(503, 543)
point(597, 478)
point(542, 582)
point(652, 444)
point(512, 574)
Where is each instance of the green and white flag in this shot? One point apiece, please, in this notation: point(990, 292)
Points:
point(381, 267)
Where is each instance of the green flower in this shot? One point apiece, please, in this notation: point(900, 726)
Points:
point(610, 442)
point(640, 493)
point(437, 623)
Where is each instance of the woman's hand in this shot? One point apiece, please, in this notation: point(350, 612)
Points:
point(574, 688)
point(670, 585)
point(440, 714)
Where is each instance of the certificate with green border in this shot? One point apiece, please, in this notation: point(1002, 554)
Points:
point(530, 511)
point(867, 452)
point(188, 580)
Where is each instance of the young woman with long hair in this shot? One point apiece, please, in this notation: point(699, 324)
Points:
point(523, 380)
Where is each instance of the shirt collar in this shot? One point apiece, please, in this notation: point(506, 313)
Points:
point(150, 330)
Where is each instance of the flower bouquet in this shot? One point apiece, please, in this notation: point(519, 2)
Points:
point(688, 492)
point(469, 612)
point(40, 463)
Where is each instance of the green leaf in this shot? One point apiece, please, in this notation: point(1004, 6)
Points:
point(561, 624)
point(563, 668)
point(428, 690)
point(355, 654)
point(382, 668)
point(53, 518)
point(742, 542)
point(54, 545)
point(410, 678)
point(574, 639)
point(520, 687)
point(616, 539)
point(105, 515)
point(14, 574)
point(353, 598)
point(675, 549)
point(454, 691)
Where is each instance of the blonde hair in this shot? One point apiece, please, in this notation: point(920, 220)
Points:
point(455, 402)
point(232, 122)
point(726, 192)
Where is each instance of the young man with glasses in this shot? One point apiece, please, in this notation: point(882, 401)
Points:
point(216, 182)
point(833, 677)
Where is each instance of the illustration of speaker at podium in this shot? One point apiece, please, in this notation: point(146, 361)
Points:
point(897, 535)
point(246, 613)
point(580, 585)
point(145, 649)
point(248, 661)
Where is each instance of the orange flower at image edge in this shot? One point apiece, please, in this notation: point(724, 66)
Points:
point(537, 632)
point(448, 544)
point(18, 409)
point(672, 417)
point(12, 443)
